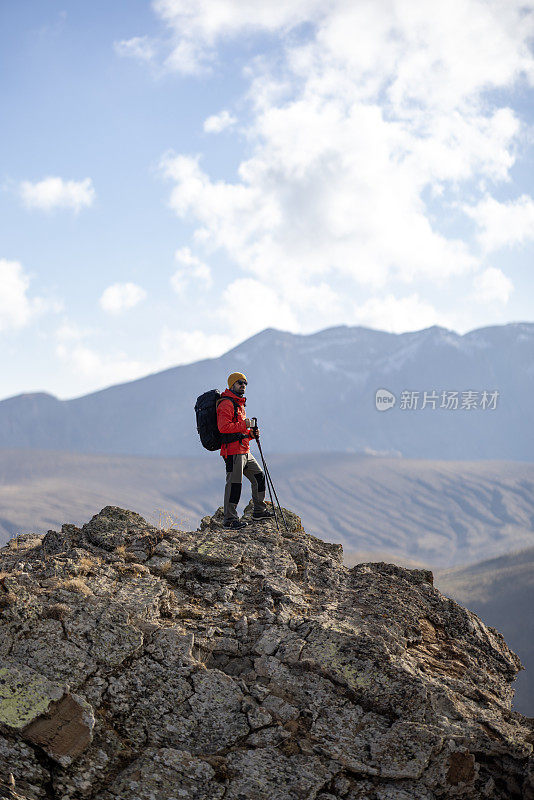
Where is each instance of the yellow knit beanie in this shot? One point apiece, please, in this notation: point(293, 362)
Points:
point(235, 376)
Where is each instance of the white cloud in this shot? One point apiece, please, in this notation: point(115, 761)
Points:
point(355, 120)
point(197, 28)
point(17, 309)
point(427, 55)
point(502, 224)
point(264, 304)
point(184, 347)
point(121, 296)
point(263, 308)
point(68, 332)
point(53, 192)
point(92, 367)
point(140, 47)
point(95, 369)
point(420, 52)
point(492, 285)
point(376, 106)
point(219, 122)
point(301, 216)
point(245, 307)
point(187, 57)
point(398, 314)
point(192, 268)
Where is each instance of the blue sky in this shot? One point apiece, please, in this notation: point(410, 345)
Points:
point(178, 176)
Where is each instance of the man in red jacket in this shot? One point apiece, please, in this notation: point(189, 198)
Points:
point(236, 432)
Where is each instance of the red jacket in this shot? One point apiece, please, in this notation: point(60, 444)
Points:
point(226, 424)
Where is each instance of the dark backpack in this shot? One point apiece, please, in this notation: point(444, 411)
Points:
point(206, 413)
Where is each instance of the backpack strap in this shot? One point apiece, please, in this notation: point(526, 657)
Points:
point(226, 438)
point(233, 402)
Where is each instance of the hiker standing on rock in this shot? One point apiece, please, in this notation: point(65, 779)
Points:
point(236, 432)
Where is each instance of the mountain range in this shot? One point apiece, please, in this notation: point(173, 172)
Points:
point(316, 393)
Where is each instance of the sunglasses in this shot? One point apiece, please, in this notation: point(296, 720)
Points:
point(243, 383)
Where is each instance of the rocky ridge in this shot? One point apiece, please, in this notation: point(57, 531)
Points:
point(245, 665)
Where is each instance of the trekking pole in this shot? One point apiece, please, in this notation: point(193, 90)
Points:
point(269, 480)
point(254, 425)
point(276, 496)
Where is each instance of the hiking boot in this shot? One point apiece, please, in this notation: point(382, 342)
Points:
point(258, 515)
point(235, 524)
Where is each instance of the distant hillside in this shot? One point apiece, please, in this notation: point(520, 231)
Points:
point(313, 393)
point(501, 592)
point(439, 514)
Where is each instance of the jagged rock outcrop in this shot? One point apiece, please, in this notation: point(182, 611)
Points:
point(244, 665)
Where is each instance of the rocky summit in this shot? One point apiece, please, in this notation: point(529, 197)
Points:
point(246, 665)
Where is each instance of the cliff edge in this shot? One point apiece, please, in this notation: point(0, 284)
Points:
point(245, 665)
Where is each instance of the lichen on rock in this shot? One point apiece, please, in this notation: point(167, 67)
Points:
point(43, 712)
point(145, 663)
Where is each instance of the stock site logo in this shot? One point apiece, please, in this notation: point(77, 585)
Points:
point(384, 399)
